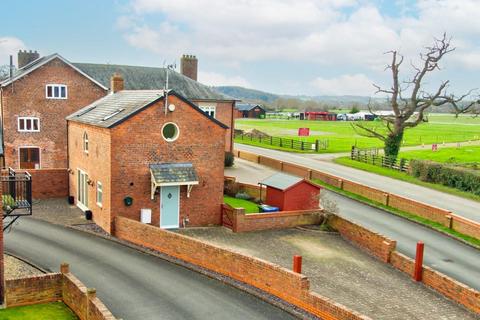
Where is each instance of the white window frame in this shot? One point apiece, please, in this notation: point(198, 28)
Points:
point(59, 86)
point(176, 136)
point(211, 111)
point(99, 192)
point(25, 119)
point(85, 142)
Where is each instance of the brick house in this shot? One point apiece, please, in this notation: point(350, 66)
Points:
point(34, 103)
point(131, 156)
point(249, 110)
point(36, 99)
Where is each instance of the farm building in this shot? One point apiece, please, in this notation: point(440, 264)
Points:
point(248, 110)
point(318, 115)
point(289, 193)
point(133, 155)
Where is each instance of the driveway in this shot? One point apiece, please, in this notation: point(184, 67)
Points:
point(132, 284)
point(460, 206)
point(341, 272)
point(443, 253)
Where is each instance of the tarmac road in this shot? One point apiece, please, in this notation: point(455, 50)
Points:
point(134, 285)
point(443, 253)
point(463, 207)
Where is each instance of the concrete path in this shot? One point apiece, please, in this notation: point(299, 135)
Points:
point(132, 284)
point(467, 208)
point(443, 253)
point(341, 272)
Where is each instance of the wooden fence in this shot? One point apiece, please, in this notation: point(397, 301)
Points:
point(287, 143)
point(371, 156)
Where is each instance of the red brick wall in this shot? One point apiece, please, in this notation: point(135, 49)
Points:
point(365, 191)
point(75, 295)
point(278, 220)
point(465, 226)
point(374, 243)
point(49, 183)
point(38, 289)
point(26, 97)
point(138, 142)
point(224, 114)
point(2, 262)
point(283, 283)
point(420, 209)
point(96, 163)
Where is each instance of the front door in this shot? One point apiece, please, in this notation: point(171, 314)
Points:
point(82, 187)
point(29, 158)
point(169, 207)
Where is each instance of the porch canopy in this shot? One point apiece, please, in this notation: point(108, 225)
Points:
point(173, 174)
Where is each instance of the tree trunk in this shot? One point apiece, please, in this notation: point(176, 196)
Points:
point(393, 144)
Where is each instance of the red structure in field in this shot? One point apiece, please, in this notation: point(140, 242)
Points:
point(319, 115)
point(290, 193)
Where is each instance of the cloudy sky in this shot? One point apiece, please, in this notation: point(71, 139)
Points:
point(314, 47)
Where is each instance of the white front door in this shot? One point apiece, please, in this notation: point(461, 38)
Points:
point(82, 187)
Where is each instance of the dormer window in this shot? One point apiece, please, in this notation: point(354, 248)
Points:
point(28, 124)
point(85, 142)
point(56, 91)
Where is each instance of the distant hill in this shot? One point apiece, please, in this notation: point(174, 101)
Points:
point(257, 96)
point(248, 95)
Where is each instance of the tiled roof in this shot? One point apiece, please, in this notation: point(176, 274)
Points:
point(281, 181)
point(114, 108)
point(171, 173)
point(150, 78)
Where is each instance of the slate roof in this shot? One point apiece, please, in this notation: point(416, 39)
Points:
point(247, 106)
point(115, 108)
point(150, 78)
point(281, 181)
point(169, 173)
point(26, 69)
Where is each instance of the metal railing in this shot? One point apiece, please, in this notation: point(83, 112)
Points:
point(16, 195)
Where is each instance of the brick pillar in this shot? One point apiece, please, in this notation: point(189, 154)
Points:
point(116, 83)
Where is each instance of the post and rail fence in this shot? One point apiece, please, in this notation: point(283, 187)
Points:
point(371, 156)
point(288, 143)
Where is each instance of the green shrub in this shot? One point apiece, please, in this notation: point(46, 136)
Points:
point(229, 159)
point(448, 175)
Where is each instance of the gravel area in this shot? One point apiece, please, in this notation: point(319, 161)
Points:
point(340, 271)
point(16, 268)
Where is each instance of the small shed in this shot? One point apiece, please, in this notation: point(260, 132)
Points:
point(289, 193)
point(249, 110)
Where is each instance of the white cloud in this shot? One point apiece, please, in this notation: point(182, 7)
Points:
point(7, 46)
point(347, 84)
point(217, 79)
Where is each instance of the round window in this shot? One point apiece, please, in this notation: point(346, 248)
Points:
point(170, 131)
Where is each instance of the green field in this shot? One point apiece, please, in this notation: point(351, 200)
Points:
point(342, 136)
point(467, 154)
point(47, 311)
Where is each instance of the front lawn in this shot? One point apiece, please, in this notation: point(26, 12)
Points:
point(47, 311)
point(249, 206)
point(466, 154)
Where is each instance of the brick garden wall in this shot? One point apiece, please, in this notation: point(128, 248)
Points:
point(278, 281)
point(49, 183)
point(424, 210)
point(277, 220)
point(53, 287)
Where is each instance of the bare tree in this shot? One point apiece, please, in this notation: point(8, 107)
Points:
point(4, 71)
point(408, 100)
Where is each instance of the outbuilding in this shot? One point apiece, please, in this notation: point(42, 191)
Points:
point(249, 110)
point(290, 193)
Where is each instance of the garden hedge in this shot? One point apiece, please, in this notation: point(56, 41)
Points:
point(448, 175)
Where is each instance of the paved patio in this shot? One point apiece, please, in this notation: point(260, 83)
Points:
point(58, 211)
point(342, 272)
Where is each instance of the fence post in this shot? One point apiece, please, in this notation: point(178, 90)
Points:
point(417, 273)
point(297, 264)
point(316, 145)
point(303, 148)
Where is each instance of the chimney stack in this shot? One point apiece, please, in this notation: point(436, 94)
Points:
point(25, 57)
point(116, 83)
point(189, 66)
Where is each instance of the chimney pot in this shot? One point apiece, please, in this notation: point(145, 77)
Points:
point(116, 83)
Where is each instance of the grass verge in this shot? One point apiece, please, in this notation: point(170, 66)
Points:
point(346, 161)
point(249, 206)
point(47, 311)
point(431, 224)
